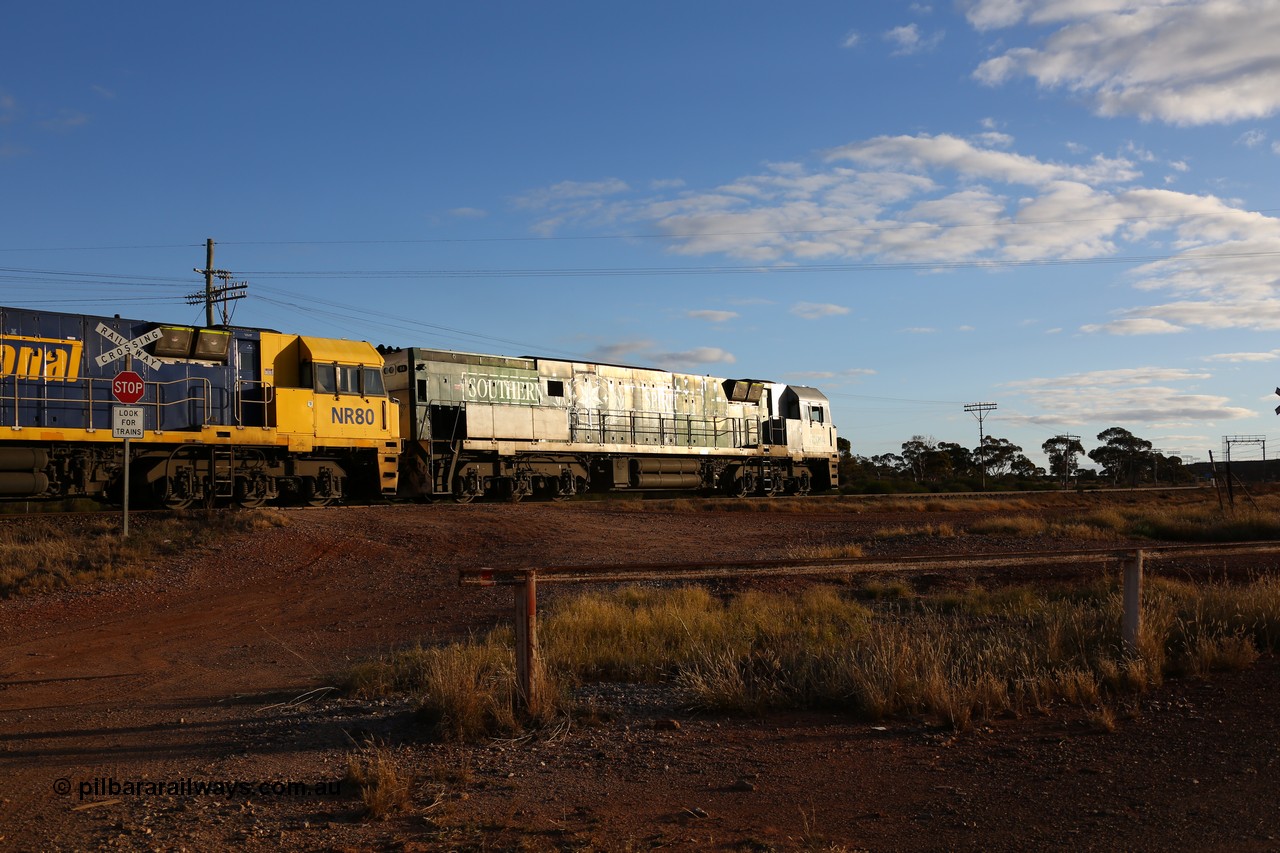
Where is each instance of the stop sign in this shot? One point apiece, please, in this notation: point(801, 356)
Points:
point(127, 387)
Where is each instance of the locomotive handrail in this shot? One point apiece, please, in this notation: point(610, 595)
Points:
point(268, 397)
point(203, 399)
point(662, 429)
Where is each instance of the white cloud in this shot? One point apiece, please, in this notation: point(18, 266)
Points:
point(1128, 396)
point(1242, 357)
point(713, 316)
point(1135, 326)
point(693, 357)
point(102, 92)
point(851, 39)
point(994, 139)
point(817, 310)
point(645, 353)
point(920, 330)
point(908, 40)
point(571, 191)
point(1186, 63)
point(468, 213)
point(943, 200)
point(1252, 138)
point(621, 352)
point(950, 152)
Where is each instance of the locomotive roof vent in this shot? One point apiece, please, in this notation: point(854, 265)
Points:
point(743, 390)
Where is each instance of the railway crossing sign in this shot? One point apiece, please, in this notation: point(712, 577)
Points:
point(127, 387)
point(125, 347)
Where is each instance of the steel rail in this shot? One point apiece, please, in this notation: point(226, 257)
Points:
point(621, 572)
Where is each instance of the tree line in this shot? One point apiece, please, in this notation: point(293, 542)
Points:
point(926, 463)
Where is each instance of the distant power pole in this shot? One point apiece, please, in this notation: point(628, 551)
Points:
point(1069, 457)
point(224, 293)
point(979, 411)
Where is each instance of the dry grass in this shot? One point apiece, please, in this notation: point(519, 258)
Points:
point(955, 656)
point(825, 552)
point(1194, 519)
point(49, 553)
point(902, 531)
point(465, 691)
point(383, 784)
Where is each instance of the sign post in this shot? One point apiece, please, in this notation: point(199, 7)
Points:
point(126, 421)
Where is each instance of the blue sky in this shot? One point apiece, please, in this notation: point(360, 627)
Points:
point(1065, 208)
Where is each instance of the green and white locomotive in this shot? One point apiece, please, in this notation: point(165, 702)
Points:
point(493, 426)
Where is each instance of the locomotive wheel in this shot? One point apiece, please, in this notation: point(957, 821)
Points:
point(463, 492)
point(246, 497)
point(169, 500)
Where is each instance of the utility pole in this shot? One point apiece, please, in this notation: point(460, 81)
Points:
point(1067, 442)
point(979, 411)
point(208, 282)
point(224, 293)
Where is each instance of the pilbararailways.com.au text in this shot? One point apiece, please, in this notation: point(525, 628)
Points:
point(107, 786)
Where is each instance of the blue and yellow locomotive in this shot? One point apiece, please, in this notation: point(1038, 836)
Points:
point(229, 415)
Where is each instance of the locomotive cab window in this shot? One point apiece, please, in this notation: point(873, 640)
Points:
point(328, 378)
point(348, 379)
point(373, 386)
point(324, 378)
point(555, 388)
point(817, 416)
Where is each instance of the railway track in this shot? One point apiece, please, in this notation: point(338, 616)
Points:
point(735, 570)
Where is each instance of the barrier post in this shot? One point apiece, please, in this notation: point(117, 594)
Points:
point(1131, 628)
point(526, 601)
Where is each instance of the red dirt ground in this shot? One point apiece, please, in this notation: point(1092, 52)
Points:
point(199, 674)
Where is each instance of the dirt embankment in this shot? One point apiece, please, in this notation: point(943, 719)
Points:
point(174, 712)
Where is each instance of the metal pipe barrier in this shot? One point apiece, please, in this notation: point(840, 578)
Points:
point(526, 581)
